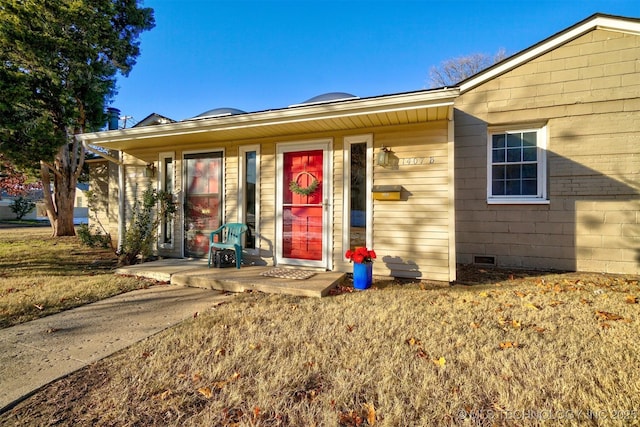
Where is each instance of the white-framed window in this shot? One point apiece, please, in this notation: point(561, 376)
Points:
point(357, 185)
point(166, 183)
point(249, 195)
point(516, 165)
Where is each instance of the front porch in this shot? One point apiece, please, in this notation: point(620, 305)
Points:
point(195, 273)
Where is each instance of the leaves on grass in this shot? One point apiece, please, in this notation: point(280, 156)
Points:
point(440, 362)
point(371, 413)
point(603, 315)
point(163, 396)
point(366, 416)
point(531, 306)
point(509, 344)
point(206, 392)
point(631, 299)
point(350, 418)
point(413, 341)
point(539, 329)
point(474, 325)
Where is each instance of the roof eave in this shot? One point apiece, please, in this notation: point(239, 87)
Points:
point(344, 108)
point(596, 21)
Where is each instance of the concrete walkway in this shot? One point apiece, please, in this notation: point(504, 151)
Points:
point(36, 353)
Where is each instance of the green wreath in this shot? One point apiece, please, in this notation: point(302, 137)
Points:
point(304, 191)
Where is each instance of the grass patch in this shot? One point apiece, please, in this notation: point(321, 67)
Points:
point(515, 349)
point(40, 275)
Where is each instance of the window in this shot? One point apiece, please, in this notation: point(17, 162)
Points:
point(358, 173)
point(248, 193)
point(166, 184)
point(517, 166)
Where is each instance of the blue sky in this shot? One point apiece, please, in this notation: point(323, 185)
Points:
point(258, 55)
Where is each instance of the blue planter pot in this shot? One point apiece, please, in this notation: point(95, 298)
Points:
point(362, 275)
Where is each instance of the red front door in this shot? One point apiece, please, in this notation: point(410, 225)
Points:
point(302, 225)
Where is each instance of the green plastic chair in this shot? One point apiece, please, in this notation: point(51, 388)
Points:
point(230, 237)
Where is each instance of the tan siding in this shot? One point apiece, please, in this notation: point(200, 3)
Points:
point(587, 92)
point(103, 175)
point(410, 236)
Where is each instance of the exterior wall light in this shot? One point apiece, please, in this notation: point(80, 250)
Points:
point(383, 156)
point(150, 170)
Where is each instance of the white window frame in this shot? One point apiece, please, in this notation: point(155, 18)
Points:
point(346, 190)
point(161, 186)
point(541, 140)
point(243, 150)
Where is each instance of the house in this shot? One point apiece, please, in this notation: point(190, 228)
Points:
point(548, 153)
point(80, 209)
point(532, 163)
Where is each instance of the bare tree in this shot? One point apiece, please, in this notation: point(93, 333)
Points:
point(454, 70)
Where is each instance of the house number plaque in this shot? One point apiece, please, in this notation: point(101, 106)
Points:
point(415, 161)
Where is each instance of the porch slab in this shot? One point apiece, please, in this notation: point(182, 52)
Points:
point(195, 273)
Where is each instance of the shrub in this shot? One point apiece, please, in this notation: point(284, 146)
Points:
point(22, 206)
point(93, 239)
point(141, 234)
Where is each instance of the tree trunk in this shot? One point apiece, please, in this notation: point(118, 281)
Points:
point(60, 204)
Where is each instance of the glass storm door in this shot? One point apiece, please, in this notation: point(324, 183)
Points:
point(301, 205)
point(203, 201)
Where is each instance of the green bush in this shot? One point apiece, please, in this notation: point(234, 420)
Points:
point(22, 206)
point(141, 235)
point(93, 239)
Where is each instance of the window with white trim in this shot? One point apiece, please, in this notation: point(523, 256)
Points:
point(165, 183)
point(517, 166)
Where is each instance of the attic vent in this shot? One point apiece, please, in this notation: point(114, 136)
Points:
point(485, 260)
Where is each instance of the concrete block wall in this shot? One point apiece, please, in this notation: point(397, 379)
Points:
point(587, 93)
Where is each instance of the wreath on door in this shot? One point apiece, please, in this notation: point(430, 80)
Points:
point(304, 191)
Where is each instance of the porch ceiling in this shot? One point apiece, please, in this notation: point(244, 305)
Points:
point(408, 108)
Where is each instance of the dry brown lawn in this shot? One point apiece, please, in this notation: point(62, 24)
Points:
point(40, 275)
point(512, 348)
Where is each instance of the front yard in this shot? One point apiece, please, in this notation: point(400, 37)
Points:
point(514, 348)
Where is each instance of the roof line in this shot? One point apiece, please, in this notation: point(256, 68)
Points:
point(595, 21)
point(346, 108)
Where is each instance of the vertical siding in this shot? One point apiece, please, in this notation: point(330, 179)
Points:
point(587, 92)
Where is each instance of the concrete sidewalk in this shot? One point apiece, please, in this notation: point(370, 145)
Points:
point(36, 353)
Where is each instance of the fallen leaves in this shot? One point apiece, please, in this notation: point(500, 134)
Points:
point(603, 315)
point(440, 362)
point(509, 344)
point(421, 353)
point(356, 418)
point(209, 391)
point(631, 299)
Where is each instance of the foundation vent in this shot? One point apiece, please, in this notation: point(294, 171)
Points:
point(484, 260)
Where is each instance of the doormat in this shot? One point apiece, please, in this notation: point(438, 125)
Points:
point(288, 273)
